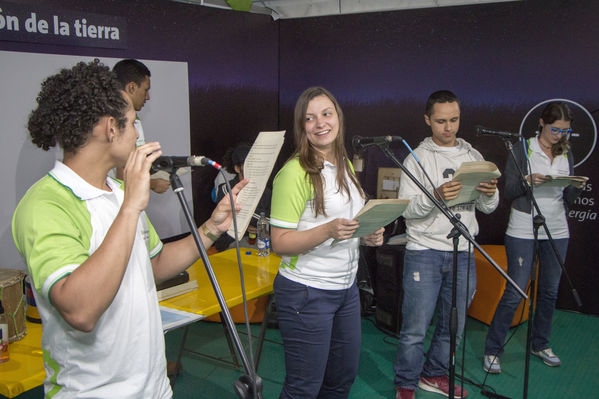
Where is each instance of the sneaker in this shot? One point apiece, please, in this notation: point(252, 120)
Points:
point(440, 385)
point(548, 357)
point(491, 364)
point(405, 393)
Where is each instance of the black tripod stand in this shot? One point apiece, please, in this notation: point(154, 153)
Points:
point(538, 221)
point(248, 385)
point(459, 229)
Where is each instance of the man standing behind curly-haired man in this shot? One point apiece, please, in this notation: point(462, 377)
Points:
point(134, 78)
point(91, 251)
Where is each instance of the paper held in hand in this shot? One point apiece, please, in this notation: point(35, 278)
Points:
point(257, 167)
point(378, 213)
point(563, 181)
point(471, 174)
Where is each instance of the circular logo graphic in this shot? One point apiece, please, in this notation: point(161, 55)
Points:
point(584, 129)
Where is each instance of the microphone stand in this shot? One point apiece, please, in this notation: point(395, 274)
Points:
point(248, 385)
point(538, 221)
point(459, 229)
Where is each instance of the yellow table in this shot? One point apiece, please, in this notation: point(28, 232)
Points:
point(258, 273)
point(25, 369)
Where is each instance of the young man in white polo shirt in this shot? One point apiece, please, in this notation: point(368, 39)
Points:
point(93, 255)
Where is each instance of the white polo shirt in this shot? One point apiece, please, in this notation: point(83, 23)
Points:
point(57, 225)
point(141, 139)
point(549, 199)
point(324, 266)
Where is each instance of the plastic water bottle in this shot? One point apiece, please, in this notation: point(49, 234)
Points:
point(263, 235)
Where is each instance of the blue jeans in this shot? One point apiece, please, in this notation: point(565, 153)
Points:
point(321, 332)
point(519, 263)
point(427, 286)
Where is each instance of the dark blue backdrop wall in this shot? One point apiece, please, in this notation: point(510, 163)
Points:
point(232, 64)
point(245, 72)
point(500, 59)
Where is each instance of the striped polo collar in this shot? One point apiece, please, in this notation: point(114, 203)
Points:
point(78, 186)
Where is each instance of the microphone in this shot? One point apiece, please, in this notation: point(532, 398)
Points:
point(169, 163)
point(359, 142)
point(483, 131)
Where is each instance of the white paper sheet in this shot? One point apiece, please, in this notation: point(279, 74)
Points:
point(257, 167)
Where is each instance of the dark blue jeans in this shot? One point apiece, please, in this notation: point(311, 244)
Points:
point(427, 285)
point(519, 262)
point(321, 333)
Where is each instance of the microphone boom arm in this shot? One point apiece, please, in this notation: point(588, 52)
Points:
point(251, 383)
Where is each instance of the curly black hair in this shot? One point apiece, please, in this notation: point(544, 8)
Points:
point(72, 102)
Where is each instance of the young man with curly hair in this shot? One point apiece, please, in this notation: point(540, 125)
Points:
point(93, 255)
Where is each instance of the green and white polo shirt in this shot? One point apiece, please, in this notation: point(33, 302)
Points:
point(57, 225)
point(324, 266)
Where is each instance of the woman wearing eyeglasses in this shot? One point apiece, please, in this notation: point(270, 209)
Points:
point(548, 154)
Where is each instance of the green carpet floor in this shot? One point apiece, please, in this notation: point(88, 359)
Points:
point(574, 339)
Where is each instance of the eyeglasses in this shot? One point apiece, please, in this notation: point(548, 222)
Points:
point(556, 131)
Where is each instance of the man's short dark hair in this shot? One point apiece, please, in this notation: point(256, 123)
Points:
point(130, 70)
point(441, 96)
point(235, 156)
